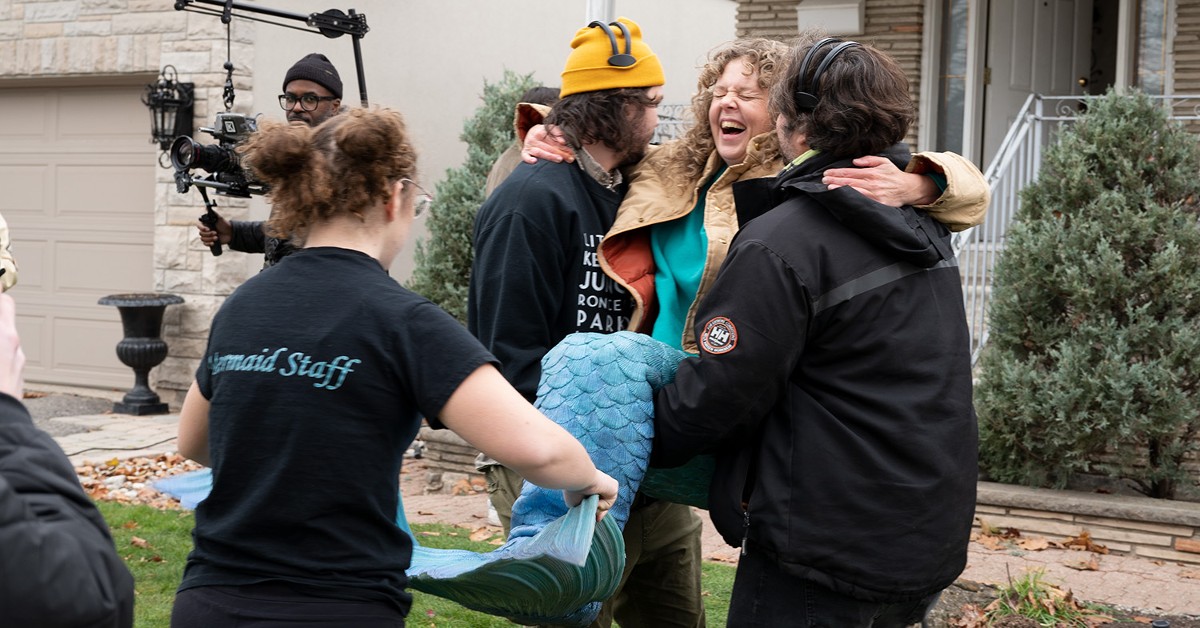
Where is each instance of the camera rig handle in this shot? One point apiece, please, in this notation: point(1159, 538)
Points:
point(209, 219)
point(332, 23)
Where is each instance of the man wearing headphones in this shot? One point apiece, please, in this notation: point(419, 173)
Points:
point(535, 279)
point(312, 93)
point(833, 382)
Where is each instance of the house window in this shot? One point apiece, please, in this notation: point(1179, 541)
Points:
point(952, 82)
point(1153, 45)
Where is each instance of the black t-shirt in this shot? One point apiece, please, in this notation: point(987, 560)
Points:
point(319, 370)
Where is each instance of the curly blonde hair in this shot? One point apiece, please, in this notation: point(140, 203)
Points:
point(688, 155)
point(344, 165)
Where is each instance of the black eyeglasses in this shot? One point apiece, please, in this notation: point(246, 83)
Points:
point(308, 102)
point(422, 201)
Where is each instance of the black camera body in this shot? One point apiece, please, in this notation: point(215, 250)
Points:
point(226, 174)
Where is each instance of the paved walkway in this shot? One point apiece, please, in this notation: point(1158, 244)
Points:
point(1130, 582)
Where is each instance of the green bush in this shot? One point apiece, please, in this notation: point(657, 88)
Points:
point(443, 259)
point(1093, 362)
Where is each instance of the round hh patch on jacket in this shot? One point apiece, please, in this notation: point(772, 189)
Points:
point(719, 335)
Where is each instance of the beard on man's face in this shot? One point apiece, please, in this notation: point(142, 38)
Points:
point(632, 155)
point(311, 118)
point(639, 141)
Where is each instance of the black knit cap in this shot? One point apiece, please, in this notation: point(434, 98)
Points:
point(315, 67)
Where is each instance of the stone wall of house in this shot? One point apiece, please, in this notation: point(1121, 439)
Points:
point(1137, 526)
point(894, 26)
point(102, 39)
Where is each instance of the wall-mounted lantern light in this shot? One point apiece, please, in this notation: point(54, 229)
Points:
point(171, 105)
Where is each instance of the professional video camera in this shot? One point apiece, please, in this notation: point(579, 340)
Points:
point(226, 174)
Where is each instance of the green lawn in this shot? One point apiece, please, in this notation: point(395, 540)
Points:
point(155, 543)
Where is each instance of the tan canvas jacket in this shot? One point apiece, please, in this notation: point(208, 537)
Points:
point(625, 254)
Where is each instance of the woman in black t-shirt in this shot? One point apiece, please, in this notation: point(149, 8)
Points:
point(316, 376)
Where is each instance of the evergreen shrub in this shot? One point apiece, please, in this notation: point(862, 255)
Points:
point(443, 258)
point(1093, 360)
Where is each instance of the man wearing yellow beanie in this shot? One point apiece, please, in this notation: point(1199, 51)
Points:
point(535, 279)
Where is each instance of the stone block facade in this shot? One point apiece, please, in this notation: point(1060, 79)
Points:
point(102, 39)
point(1137, 526)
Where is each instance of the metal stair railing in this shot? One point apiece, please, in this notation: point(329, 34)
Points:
point(1015, 166)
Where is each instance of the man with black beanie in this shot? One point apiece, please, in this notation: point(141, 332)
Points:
point(312, 93)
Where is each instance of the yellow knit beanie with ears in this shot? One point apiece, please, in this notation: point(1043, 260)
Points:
point(591, 66)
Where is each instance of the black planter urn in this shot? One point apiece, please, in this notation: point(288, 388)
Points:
point(142, 348)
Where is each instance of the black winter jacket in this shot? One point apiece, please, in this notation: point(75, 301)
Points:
point(834, 387)
point(248, 236)
point(58, 566)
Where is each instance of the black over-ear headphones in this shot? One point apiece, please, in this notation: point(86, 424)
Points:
point(619, 59)
point(806, 99)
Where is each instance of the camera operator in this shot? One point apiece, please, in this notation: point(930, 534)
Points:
point(312, 93)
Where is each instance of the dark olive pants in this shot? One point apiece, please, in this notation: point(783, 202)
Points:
point(660, 587)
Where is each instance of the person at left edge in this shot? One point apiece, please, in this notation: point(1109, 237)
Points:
point(58, 566)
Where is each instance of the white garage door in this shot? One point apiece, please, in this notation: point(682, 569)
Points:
point(77, 189)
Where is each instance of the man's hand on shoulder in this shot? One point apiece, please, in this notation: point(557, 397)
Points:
point(546, 143)
point(878, 179)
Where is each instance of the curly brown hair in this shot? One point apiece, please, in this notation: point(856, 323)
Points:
point(690, 154)
point(863, 104)
point(344, 165)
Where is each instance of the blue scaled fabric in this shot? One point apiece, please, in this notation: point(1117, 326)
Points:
point(559, 564)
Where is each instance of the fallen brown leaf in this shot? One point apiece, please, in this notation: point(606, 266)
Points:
point(482, 534)
point(1088, 565)
point(972, 617)
point(138, 541)
point(1084, 543)
point(462, 487)
point(1035, 544)
point(993, 543)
